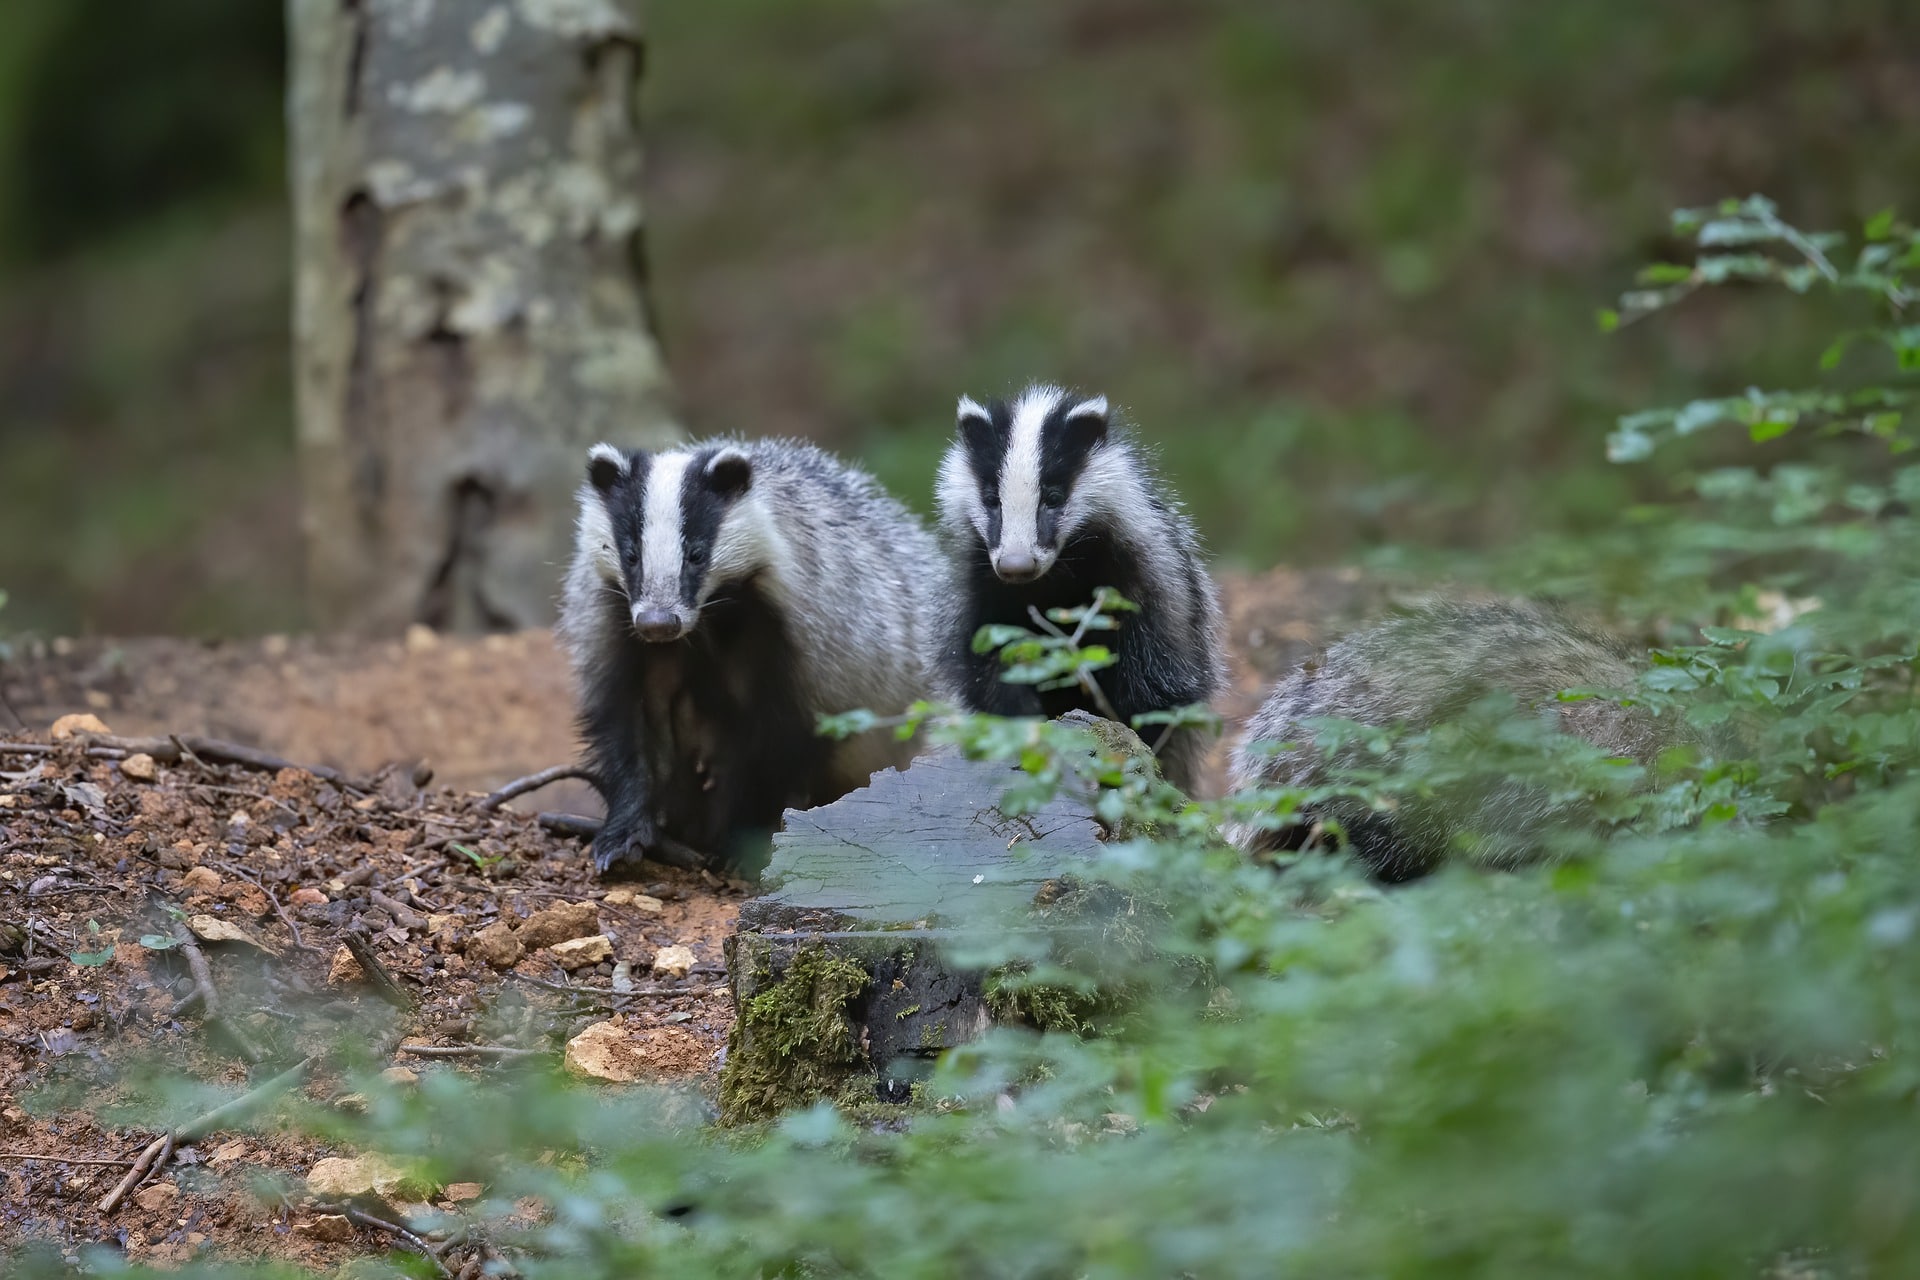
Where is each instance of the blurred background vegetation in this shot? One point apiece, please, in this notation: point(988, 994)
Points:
point(1340, 261)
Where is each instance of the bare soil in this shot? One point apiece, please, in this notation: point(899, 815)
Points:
point(95, 857)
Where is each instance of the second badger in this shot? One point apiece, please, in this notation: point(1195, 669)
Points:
point(722, 596)
point(1042, 502)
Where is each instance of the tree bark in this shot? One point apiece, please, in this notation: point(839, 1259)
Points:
point(470, 297)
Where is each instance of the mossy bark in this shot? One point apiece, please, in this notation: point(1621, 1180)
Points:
point(470, 309)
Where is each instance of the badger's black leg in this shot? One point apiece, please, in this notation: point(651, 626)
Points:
point(612, 728)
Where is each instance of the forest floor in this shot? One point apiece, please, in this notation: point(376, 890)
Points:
point(385, 903)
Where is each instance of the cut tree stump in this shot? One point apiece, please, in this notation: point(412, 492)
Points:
point(849, 974)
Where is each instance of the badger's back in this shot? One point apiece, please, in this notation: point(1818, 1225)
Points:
point(1422, 670)
point(858, 579)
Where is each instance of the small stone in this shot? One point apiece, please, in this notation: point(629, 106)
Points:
point(421, 638)
point(214, 929)
point(99, 699)
point(338, 1176)
point(139, 766)
point(674, 961)
point(307, 896)
point(601, 1052)
point(439, 922)
point(619, 1054)
point(275, 646)
point(200, 880)
point(332, 1228)
point(461, 1192)
point(344, 971)
point(561, 922)
point(158, 1198)
point(495, 945)
point(229, 1151)
point(638, 901)
point(72, 726)
point(579, 952)
point(401, 1076)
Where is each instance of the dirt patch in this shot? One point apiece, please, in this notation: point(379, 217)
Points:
point(270, 875)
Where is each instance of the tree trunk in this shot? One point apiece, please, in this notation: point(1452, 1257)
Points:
point(470, 307)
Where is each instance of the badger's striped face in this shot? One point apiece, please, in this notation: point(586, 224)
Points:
point(1016, 473)
point(662, 529)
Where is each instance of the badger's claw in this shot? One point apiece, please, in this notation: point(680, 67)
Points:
point(624, 840)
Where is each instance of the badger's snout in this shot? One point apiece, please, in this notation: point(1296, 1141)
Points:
point(655, 625)
point(1015, 565)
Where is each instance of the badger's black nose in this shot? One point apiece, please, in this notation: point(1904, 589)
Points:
point(1016, 566)
point(656, 624)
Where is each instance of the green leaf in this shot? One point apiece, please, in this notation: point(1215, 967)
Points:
point(158, 941)
point(1879, 226)
point(1606, 318)
point(1768, 429)
point(91, 959)
point(1660, 273)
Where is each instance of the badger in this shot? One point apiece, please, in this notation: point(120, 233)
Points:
point(1042, 500)
point(721, 597)
point(1416, 672)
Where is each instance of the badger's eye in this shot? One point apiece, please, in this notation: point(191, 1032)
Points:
point(699, 552)
point(991, 497)
point(1054, 496)
point(631, 554)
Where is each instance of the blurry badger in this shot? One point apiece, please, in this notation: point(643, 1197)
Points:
point(1041, 501)
point(1423, 670)
point(721, 597)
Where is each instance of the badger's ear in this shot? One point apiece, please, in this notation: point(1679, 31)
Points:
point(730, 472)
point(976, 424)
point(607, 466)
point(1086, 422)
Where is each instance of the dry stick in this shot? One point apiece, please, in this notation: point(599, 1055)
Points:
point(532, 782)
point(383, 984)
point(174, 748)
point(222, 1115)
point(293, 929)
point(203, 991)
point(469, 1051)
point(34, 1155)
point(413, 1240)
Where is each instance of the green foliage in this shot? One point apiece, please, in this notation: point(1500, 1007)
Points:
point(1691, 1048)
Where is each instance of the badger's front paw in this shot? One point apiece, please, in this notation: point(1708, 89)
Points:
point(623, 840)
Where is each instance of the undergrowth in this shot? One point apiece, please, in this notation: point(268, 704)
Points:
point(1687, 1044)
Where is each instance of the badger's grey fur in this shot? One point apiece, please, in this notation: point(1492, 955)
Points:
point(1041, 500)
point(1422, 670)
point(721, 596)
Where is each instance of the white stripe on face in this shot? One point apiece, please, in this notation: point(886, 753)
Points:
point(662, 548)
point(1020, 473)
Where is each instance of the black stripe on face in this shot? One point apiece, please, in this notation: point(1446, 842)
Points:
point(986, 441)
point(626, 503)
point(1065, 445)
point(704, 503)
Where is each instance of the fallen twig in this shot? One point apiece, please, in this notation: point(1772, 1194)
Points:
point(470, 1051)
point(299, 943)
point(411, 1238)
point(175, 747)
point(156, 1153)
point(226, 1113)
point(34, 1155)
point(532, 782)
point(203, 992)
point(383, 984)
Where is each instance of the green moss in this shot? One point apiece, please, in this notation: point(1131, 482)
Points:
point(793, 1042)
